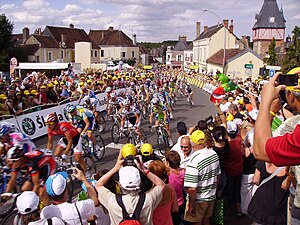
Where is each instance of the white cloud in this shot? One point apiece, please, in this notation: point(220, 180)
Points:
point(35, 4)
point(72, 8)
point(7, 6)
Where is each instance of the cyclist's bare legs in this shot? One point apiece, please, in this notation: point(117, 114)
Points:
point(58, 151)
point(91, 137)
point(78, 158)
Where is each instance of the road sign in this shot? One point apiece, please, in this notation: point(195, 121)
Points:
point(271, 73)
point(273, 67)
point(248, 66)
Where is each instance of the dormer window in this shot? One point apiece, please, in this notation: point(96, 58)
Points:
point(272, 19)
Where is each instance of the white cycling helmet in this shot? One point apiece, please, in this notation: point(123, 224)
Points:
point(108, 89)
point(86, 98)
point(154, 101)
point(126, 102)
point(112, 95)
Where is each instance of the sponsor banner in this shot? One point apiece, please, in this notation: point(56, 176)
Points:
point(33, 124)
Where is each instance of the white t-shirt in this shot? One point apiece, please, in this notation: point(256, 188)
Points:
point(224, 107)
point(183, 160)
point(108, 200)
point(102, 217)
point(55, 221)
point(68, 213)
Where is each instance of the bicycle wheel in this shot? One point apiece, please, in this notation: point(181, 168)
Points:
point(90, 163)
point(115, 133)
point(99, 148)
point(160, 141)
point(7, 205)
point(132, 140)
point(70, 186)
point(10, 218)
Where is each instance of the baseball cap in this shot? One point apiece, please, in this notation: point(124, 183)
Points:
point(181, 128)
point(34, 92)
point(231, 127)
point(50, 85)
point(3, 96)
point(27, 202)
point(129, 178)
point(253, 114)
point(198, 137)
point(56, 183)
point(26, 92)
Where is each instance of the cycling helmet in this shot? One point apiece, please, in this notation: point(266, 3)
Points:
point(86, 98)
point(128, 149)
point(108, 89)
point(15, 153)
point(154, 101)
point(146, 149)
point(70, 108)
point(112, 95)
point(4, 130)
point(126, 102)
point(52, 117)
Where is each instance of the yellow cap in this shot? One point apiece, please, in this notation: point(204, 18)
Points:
point(26, 92)
point(229, 117)
point(89, 81)
point(128, 149)
point(198, 137)
point(241, 101)
point(62, 83)
point(100, 82)
point(43, 86)
point(114, 78)
point(55, 82)
point(50, 85)
point(3, 96)
point(34, 92)
point(146, 149)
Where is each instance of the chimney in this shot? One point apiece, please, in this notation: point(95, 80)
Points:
point(110, 28)
point(245, 41)
point(71, 26)
point(25, 34)
point(231, 26)
point(39, 31)
point(182, 38)
point(134, 39)
point(205, 29)
point(198, 27)
point(225, 22)
point(63, 39)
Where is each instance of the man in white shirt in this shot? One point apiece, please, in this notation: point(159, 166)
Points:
point(56, 187)
point(185, 151)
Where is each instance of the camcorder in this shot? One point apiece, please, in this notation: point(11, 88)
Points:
point(129, 161)
point(287, 80)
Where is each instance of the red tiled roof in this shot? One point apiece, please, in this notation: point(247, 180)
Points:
point(16, 39)
point(72, 35)
point(111, 37)
point(30, 49)
point(46, 41)
point(217, 58)
point(143, 49)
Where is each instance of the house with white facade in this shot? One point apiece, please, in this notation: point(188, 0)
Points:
point(175, 55)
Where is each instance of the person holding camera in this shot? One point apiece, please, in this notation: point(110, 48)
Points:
point(130, 184)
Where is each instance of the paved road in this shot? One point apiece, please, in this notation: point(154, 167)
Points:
point(202, 109)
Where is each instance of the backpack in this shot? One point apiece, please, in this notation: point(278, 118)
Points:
point(134, 218)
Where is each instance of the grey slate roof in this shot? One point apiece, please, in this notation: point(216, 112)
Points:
point(268, 10)
point(180, 46)
point(211, 31)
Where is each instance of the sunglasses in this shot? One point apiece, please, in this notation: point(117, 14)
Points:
point(49, 123)
point(184, 146)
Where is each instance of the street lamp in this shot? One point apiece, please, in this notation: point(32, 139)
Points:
point(224, 53)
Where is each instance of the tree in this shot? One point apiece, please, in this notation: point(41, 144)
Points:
point(272, 60)
point(6, 29)
point(292, 57)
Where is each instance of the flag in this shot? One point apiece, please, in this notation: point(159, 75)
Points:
point(217, 95)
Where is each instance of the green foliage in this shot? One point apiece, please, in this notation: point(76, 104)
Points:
point(292, 58)
point(6, 29)
point(272, 60)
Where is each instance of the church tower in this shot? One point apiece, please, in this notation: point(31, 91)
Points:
point(269, 23)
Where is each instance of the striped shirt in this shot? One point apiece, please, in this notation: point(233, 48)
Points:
point(201, 172)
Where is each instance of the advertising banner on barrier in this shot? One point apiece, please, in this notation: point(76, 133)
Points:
point(33, 124)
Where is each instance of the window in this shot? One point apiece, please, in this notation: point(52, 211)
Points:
point(102, 53)
point(62, 54)
point(49, 56)
point(96, 53)
point(179, 58)
point(132, 54)
point(123, 54)
point(91, 53)
point(37, 58)
point(204, 55)
point(168, 58)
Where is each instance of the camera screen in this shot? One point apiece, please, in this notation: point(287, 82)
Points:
point(289, 79)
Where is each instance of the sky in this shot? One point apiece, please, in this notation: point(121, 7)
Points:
point(150, 20)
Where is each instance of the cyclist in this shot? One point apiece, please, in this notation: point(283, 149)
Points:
point(37, 166)
point(130, 117)
point(93, 105)
point(8, 140)
point(161, 115)
point(189, 93)
point(83, 119)
point(71, 138)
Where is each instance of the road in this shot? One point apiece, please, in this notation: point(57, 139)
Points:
point(182, 112)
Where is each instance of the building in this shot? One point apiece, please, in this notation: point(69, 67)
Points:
point(211, 40)
point(144, 56)
point(57, 44)
point(188, 58)
point(115, 45)
point(175, 56)
point(269, 23)
point(242, 63)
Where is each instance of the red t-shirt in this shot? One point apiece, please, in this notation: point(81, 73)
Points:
point(233, 163)
point(62, 129)
point(285, 150)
